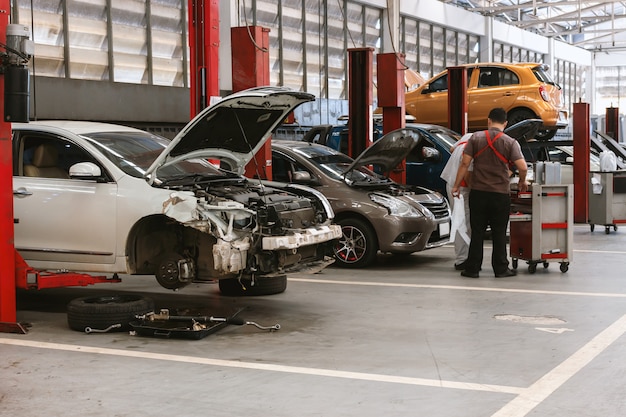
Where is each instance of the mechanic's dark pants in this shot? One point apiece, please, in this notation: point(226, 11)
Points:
point(493, 209)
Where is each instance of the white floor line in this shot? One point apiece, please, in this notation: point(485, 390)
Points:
point(266, 367)
point(458, 287)
point(553, 380)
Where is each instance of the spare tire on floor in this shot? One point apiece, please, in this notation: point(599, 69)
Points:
point(233, 287)
point(101, 312)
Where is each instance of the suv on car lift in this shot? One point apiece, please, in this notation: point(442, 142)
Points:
point(524, 90)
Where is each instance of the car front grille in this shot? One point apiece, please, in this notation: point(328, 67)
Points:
point(439, 210)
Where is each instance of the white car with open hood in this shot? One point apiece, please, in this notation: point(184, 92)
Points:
point(97, 197)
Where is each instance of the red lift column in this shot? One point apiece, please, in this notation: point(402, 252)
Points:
point(391, 98)
point(204, 43)
point(582, 145)
point(360, 99)
point(8, 312)
point(457, 99)
point(611, 122)
point(251, 68)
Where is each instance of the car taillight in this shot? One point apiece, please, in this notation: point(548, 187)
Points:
point(543, 92)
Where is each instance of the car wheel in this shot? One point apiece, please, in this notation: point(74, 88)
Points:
point(233, 287)
point(358, 245)
point(518, 115)
point(167, 272)
point(100, 313)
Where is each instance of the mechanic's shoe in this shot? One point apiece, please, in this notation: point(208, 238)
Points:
point(469, 274)
point(507, 273)
point(461, 266)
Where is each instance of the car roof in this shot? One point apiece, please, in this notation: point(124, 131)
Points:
point(78, 127)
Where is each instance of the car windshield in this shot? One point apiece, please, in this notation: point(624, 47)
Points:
point(543, 76)
point(134, 152)
point(446, 136)
point(334, 164)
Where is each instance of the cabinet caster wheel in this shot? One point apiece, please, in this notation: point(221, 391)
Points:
point(546, 264)
point(514, 263)
point(564, 267)
point(592, 227)
point(532, 268)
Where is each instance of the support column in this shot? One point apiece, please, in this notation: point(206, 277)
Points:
point(251, 68)
point(457, 99)
point(611, 122)
point(391, 98)
point(582, 145)
point(360, 98)
point(204, 44)
point(7, 248)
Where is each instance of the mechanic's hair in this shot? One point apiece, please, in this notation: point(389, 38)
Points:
point(497, 115)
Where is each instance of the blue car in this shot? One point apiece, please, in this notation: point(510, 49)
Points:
point(426, 161)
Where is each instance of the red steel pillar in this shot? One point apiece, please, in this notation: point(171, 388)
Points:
point(582, 148)
point(360, 99)
point(611, 122)
point(251, 68)
point(204, 43)
point(391, 98)
point(457, 99)
point(7, 248)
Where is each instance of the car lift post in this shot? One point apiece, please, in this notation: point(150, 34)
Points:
point(204, 42)
point(251, 68)
point(360, 98)
point(582, 148)
point(457, 99)
point(8, 312)
point(611, 122)
point(390, 77)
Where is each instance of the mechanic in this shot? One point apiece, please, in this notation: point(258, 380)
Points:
point(492, 153)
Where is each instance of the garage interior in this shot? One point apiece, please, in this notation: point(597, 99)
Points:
point(406, 336)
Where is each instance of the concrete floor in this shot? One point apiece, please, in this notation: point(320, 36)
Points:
point(408, 337)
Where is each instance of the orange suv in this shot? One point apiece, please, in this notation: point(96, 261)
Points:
point(525, 91)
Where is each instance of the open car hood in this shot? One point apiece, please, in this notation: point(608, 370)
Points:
point(388, 151)
point(233, 129)
point(525, 130)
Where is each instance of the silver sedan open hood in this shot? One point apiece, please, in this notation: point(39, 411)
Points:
point(233, 129)
point(388, 151)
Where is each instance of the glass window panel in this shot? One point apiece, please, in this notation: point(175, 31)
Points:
point(474, 50)
point(410, 43)
point(267, 16)
point(166, 21)
point(130, 48)
point(438, 49)
point(425, 50)
point(87, 28)
point(46, 33)
point(451, 48)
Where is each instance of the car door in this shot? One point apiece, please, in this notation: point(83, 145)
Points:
point(432, 104)
point(496, 87)
point(59, 219)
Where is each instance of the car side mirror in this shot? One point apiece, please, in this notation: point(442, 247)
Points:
point(430, 154)
point(426, 89)
point(303, 177)
point(85, 171)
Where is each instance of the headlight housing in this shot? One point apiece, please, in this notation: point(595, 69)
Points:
point(395, 206)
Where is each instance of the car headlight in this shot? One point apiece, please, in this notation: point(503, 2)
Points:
point(395, 206)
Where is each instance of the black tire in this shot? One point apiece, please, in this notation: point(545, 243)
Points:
point(104, 311)
point(233, 287)
point(518, 115)
point(358, 245)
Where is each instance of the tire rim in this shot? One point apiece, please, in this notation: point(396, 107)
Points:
point(352, 246)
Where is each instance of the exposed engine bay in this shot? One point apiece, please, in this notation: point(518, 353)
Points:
point(254, 229)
